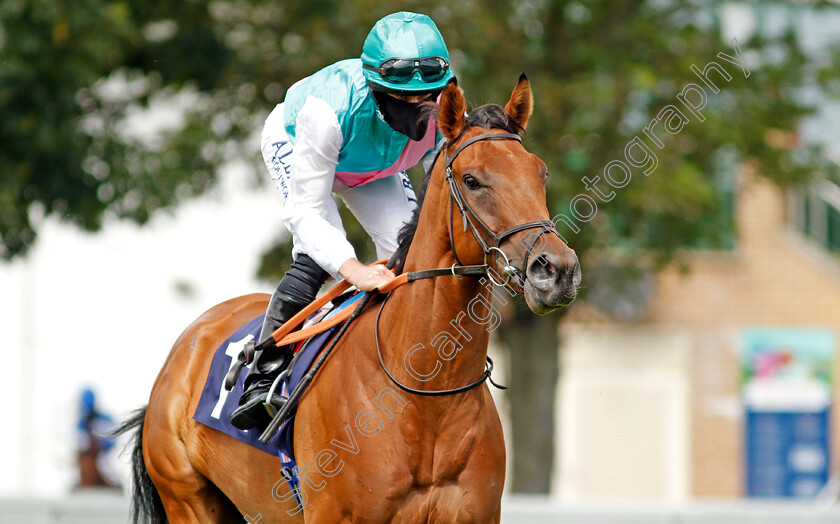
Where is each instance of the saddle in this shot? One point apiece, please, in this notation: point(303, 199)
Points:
point(217, 401)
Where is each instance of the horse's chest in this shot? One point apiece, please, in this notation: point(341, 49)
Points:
point(441, 458)
point(448, 482)
point(455, 479)
point(414, 468)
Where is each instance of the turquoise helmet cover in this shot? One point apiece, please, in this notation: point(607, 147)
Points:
point(404, 35)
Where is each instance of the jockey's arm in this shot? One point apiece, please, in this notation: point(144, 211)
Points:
point(310, 202)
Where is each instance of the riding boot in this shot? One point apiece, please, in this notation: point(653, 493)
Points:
point(297, 289)
point(267, 365)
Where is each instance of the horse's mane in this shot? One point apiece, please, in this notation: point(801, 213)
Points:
point(488, 116)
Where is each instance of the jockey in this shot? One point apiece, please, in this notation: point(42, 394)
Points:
point(351, 130)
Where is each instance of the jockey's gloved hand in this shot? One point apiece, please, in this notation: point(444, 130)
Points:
point(365, 278)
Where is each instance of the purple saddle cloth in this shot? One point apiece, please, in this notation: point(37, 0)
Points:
point(216, 404)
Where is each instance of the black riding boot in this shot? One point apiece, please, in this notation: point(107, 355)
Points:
point(266, 366)
point(297, 289)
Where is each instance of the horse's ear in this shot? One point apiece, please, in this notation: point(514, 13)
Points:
point(451, 111)
point(521, 103)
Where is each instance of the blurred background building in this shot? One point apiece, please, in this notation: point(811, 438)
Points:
point(717, 378)
point(666, 403)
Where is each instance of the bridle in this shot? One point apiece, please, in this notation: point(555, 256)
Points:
point(470, 218)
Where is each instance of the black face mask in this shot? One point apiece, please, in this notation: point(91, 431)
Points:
point(402, 116)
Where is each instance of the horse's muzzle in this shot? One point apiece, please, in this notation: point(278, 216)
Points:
point(552, 281)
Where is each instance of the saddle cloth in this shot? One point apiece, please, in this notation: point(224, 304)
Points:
point(216, 403)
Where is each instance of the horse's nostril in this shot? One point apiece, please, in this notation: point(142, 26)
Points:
point(576, 275)
point(548, 267)
point(541, 268)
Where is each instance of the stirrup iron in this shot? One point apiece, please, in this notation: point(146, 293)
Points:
point(272, 411)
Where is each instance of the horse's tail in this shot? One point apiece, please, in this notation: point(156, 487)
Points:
point(146, 505)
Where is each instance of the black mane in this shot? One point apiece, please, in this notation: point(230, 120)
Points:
point(488, 116)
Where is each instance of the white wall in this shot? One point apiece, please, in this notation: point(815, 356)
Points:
point(624, 425)
point(103, 310)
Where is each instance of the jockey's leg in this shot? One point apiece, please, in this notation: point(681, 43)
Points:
point(298, 288)
point(382, 208)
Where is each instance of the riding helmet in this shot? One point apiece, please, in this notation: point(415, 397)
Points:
point(404, 35)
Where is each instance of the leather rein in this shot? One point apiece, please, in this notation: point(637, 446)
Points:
point(470, 218)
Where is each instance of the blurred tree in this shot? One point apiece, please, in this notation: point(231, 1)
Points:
point(69, 75)
point(76, 80)
point(72, 80)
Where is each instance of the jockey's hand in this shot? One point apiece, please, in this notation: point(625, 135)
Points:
point(365, 278)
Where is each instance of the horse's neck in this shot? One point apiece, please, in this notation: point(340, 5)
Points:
point(449, 318)
point(432, 323)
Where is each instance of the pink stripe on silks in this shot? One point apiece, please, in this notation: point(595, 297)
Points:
point(410, 156)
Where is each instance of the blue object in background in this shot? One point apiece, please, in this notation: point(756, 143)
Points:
point(787, 390)
point(787, 453)
point(93, 424)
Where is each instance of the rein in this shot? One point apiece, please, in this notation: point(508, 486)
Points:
point(469, 218)
point(488, 368)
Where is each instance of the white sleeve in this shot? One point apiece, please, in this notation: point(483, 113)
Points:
point(310, 213)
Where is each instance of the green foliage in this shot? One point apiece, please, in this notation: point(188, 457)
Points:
point(68, 77)
point(600, 71)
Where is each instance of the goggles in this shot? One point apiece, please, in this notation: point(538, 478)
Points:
point(400, 70)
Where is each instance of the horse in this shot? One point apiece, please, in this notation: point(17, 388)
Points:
point(399, 425)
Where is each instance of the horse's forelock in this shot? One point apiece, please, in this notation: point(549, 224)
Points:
point(492, 116)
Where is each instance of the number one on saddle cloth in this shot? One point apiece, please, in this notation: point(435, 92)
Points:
point(233, 350)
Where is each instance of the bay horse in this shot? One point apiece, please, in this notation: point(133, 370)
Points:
point(369, 446)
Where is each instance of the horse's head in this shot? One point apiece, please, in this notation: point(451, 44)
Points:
point(499, 189)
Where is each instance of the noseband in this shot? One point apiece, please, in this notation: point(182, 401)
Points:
point(470, 218)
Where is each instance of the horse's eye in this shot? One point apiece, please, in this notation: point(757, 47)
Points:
point(471, 182)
